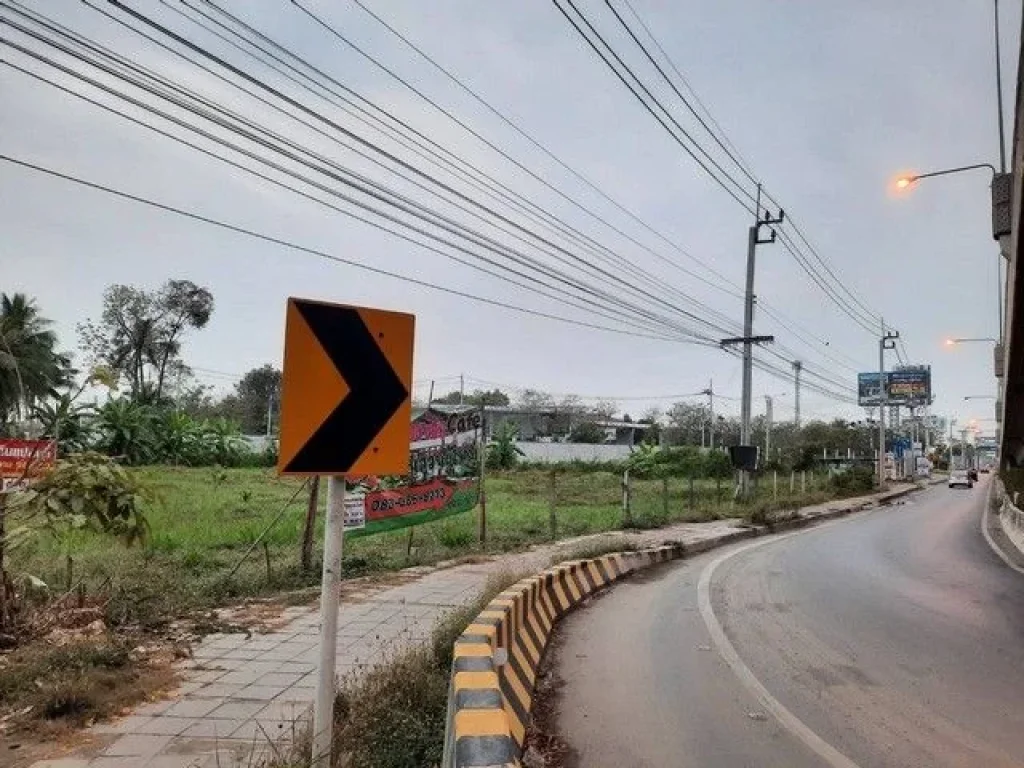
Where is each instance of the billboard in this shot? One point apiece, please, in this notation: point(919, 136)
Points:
point(868, 391)
point(443, 479)
point(910, 385)
point(904, 385)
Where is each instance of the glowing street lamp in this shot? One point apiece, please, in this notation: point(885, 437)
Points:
point(903, 182)
point(974, 340)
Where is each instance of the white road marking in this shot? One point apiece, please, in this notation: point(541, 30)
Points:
point(988, 536)
point(832, 756)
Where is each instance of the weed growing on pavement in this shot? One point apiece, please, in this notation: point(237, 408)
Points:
point(393, 716)
point(594, 549)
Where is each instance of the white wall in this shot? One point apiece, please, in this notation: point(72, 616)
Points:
point(552, 452)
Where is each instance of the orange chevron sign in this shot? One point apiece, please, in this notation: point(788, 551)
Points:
point(345, 391)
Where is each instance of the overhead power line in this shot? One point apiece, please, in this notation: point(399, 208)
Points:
point(812, 342)
point(537, 144)
point(601, 302)
point(719, 132)
point(276, 93)
point(848, 304)
point(721, 318)
point(311, 251)
point(733, 188)
point(601, 252)
point(249, 170)
point(647, 54)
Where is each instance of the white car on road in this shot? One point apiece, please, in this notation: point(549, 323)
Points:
point(960, 477)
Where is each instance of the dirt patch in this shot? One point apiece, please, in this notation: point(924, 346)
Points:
point(544, 747)
point(52, 687)
point(267, 614)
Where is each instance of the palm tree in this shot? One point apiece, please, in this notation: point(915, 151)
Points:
point(30, 366)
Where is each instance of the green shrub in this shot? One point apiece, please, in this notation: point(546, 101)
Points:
point(393, 717)
point(454, 537)
point(853, 480)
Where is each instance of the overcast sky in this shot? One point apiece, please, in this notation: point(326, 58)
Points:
point(827, 102)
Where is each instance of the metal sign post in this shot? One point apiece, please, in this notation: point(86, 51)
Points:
point(330, 599)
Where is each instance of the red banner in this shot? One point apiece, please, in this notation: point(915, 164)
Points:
point(26, 458)
point(409, 500)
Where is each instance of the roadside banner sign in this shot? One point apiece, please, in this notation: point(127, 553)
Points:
point(23, 460)
point(345, 392)
point(443, 477)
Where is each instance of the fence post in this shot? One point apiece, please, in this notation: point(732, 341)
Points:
point(792, 479)
point(664, 496)
point(482, 457)
point(803, 481)
point(775, 484)
point(627, 512)
point(309, 526)
point(552, 501)
point(693, 494)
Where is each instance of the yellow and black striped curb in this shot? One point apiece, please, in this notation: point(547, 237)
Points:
point(497, 656)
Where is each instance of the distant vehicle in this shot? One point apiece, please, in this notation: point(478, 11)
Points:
point(958, 477)
point(985, 470)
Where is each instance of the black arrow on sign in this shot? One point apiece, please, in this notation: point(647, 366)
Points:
point(375, 391)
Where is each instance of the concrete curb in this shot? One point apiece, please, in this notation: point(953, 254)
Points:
point(497, 656)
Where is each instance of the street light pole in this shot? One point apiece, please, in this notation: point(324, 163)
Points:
point(886, 341)
point(999, 93)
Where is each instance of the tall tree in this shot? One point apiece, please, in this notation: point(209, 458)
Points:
point(258, 397)
point(534, 400)
point(30, 366)
point(477, 397)
point(688, 424)
point(140, 333)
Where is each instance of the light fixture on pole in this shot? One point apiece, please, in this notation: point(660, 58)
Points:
point(903, 182)
point(973, 340)
point(1002, 187)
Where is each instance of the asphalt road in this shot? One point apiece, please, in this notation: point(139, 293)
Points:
point(890, 638)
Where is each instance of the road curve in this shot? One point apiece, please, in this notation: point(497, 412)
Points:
point(891, 638)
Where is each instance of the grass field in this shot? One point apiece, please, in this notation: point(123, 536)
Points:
point(204, 520)
point(200, 555)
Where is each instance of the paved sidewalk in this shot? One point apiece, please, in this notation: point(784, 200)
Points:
point(241, 694)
